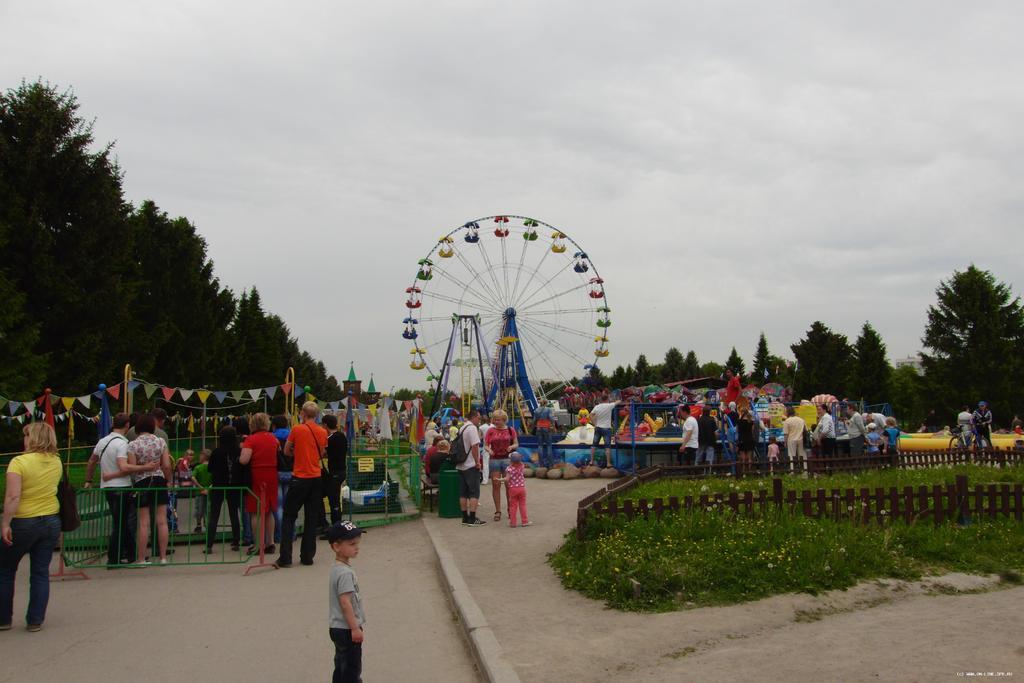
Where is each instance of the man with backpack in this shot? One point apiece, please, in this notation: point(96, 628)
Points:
point(465, 455)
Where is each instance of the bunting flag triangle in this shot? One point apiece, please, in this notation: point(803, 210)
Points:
point(168, 393)
point(321, 404)
point(271, 391)
point(286, 388)
point(3, 402)
point(13, 406)
point(148, 389)
point(85, 400)
point(255, 394)
point(220, 396)
point(20, 419)
point(115, 391)
point(333, 405)
point(67, 402)
point(185, 394)
point(203, 394)
point(299, 391)
point(238, 394)
point(133, 385)
point(55, 399)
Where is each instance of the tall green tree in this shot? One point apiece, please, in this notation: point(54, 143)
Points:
point(975, 344)
point(618, 380)
point(735, 363)
point(691, 366)
point(642, 371)
point(906, 391)
point(67, 241)
point(869, 370)
point(762, 361)
point(712, 369)
point(822, 362)
point(672, 368)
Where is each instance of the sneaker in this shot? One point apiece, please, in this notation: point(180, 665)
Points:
point(475, 522)
point(5, 627)
point(144, 563)
point(163, 561)
point(527, 523)
point(282, 565)
point(513, 526)
point(35, 628)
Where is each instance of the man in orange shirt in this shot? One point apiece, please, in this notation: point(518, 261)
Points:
point(306, 444)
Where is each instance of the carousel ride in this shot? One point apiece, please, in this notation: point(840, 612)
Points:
point(503, 311)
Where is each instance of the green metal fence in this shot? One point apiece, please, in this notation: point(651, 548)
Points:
point(88, 545)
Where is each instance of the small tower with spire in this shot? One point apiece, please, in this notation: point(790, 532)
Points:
point(372, 395)
point(352, 386)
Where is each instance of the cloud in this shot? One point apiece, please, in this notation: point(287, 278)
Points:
point(730, 168)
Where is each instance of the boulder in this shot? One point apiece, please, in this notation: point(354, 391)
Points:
point(527, 472)
point(610, 473)
point(554, 473)
point(591, 471)
point(540, 472)
point(570, 472)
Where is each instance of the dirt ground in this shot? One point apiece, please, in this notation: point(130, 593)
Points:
point(213, 624)
point(884, 630)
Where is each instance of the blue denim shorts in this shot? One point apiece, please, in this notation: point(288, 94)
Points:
point(497, 465)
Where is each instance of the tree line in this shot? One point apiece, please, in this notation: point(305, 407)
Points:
point(973, 350)
point(89, 281)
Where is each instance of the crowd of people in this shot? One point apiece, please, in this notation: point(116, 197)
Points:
point(261, 469)
point(482, 450)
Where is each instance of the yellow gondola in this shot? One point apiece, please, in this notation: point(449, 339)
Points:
point(417, 365)
point(505, 341)
point(416, 350)
point(601, 353)
point(446, 252)
point(601, 339)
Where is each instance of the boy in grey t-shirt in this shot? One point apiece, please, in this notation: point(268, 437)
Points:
point(346, 606)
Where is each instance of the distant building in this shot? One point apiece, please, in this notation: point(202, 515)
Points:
point(912, 361)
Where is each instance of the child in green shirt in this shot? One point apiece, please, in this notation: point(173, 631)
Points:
point(203, 477)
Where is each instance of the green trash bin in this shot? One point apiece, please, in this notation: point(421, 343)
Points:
point(448, 493)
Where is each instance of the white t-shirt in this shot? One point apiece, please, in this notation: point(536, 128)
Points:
point(964, 420)
point(109, 450)
point(470, 438)
point(601, 415)
point(691, 425)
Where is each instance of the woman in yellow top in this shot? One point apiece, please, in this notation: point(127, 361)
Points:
point(30, 523)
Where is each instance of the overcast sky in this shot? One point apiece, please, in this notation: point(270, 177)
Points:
point(729, 167)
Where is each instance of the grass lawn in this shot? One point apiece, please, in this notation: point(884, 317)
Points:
point(976, 474)
point(716, 558)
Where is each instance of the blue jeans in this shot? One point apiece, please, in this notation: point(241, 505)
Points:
point(544, 447)
point(284, 479)
point(706, 455)
point(36, 537)
point(348, 657)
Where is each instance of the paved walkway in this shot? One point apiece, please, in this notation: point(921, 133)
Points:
point(212, 624)
point(877, 631)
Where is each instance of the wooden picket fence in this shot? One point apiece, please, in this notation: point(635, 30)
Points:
point(940, 503)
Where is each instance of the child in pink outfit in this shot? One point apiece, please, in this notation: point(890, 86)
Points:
point(773, 453)
point(516, 483)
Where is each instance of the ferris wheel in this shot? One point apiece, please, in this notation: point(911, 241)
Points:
point(527, 292)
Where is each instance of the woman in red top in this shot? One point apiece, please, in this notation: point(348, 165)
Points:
point(499, 442)
point(259, 451)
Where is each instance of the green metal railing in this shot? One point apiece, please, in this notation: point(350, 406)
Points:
point(87, 546)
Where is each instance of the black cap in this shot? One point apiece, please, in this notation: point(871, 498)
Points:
point(343, 531)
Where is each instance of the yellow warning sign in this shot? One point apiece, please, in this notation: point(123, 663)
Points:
point(366, 464)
